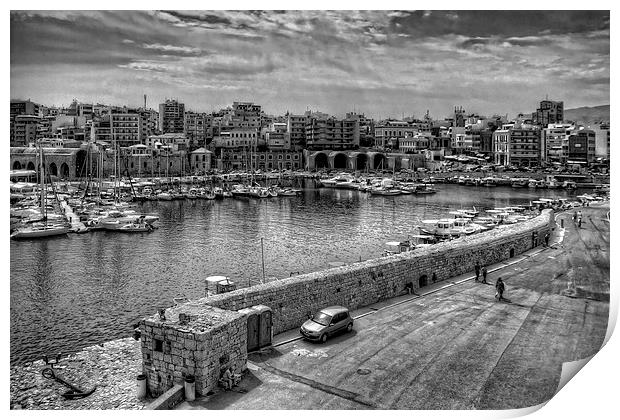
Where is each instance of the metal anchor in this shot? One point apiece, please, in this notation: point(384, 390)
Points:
point(74, 392)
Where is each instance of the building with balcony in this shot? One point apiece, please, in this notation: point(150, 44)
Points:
point(25, 130)
point(554, 142)
point(126, 128)
point(524, 148)
point(296, 126)
point(171, 117)
point(332, 133)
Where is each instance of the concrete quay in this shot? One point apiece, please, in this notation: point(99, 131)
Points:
point(453, 347)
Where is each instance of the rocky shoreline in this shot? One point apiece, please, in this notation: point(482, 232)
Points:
point(112, 367)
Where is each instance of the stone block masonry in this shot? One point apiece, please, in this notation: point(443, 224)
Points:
point(216, 335)
point(194, 339)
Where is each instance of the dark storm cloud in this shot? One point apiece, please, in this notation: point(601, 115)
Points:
point(500, 23)
point(199, 19)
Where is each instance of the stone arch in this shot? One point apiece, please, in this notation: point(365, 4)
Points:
point(31, 166)
point(380, 162)
point(64, 170)
point(361, 162)
point(321, 161)
point(53, 169)
point(340, 161)
point(17, 165)
point(80, 163)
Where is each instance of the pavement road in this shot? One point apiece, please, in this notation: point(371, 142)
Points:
point(455, 347)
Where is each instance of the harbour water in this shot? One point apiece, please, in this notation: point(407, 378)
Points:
point(71, 292)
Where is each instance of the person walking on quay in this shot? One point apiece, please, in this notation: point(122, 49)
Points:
point(547, 239)
point(499, 287)
point(477, 270)
point(484, 274)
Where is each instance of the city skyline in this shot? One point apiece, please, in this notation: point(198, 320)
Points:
point(382, 63)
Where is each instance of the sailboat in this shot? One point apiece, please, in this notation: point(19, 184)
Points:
point(45, 230)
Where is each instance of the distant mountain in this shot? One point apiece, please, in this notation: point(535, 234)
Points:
point(587, 115)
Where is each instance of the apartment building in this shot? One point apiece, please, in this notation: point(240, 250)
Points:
point(332, 133)
point(171, 116)
point(555, 142)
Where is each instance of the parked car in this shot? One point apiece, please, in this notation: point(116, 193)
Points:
point(327, 322)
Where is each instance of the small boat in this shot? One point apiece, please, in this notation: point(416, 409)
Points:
point(569, 185)
point(425, 189)
point(385, 191)
point(219, 192)
point(192, 194)
point(164, 196)
point(136, 227)
point(519, 182)
point(272, 192)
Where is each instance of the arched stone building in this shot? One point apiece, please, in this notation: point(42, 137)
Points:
point(361, 160)
point(60, 162)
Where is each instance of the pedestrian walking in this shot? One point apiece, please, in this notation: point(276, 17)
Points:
point(477, 270)
point(484, 274)
point(579, 222)
point(547, 239)
point(499, 289)
point(575, 217)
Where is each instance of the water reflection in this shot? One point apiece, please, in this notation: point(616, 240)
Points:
point(85, 289)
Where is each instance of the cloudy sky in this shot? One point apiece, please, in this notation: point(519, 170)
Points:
point(379, 62)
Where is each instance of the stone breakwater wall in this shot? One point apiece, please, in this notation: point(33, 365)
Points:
point(356, 285)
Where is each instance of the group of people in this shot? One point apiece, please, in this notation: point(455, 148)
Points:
point(499, 284)
point(577, 218)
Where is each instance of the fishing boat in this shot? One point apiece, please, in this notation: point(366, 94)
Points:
point(441, 228)
point(464, 226)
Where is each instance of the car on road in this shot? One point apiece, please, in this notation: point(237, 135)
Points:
point(327, 322)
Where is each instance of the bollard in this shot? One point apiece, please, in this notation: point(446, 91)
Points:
point(141, 385)
point(190, 388)
point(562, 223)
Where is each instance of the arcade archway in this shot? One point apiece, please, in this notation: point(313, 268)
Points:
point(320, 161)
point(340, 161)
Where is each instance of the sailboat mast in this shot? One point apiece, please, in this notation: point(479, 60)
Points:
point(42, 179)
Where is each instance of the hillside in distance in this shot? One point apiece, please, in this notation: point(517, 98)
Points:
point(587, 115)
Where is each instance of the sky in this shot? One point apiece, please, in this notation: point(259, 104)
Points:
point(381, 63)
